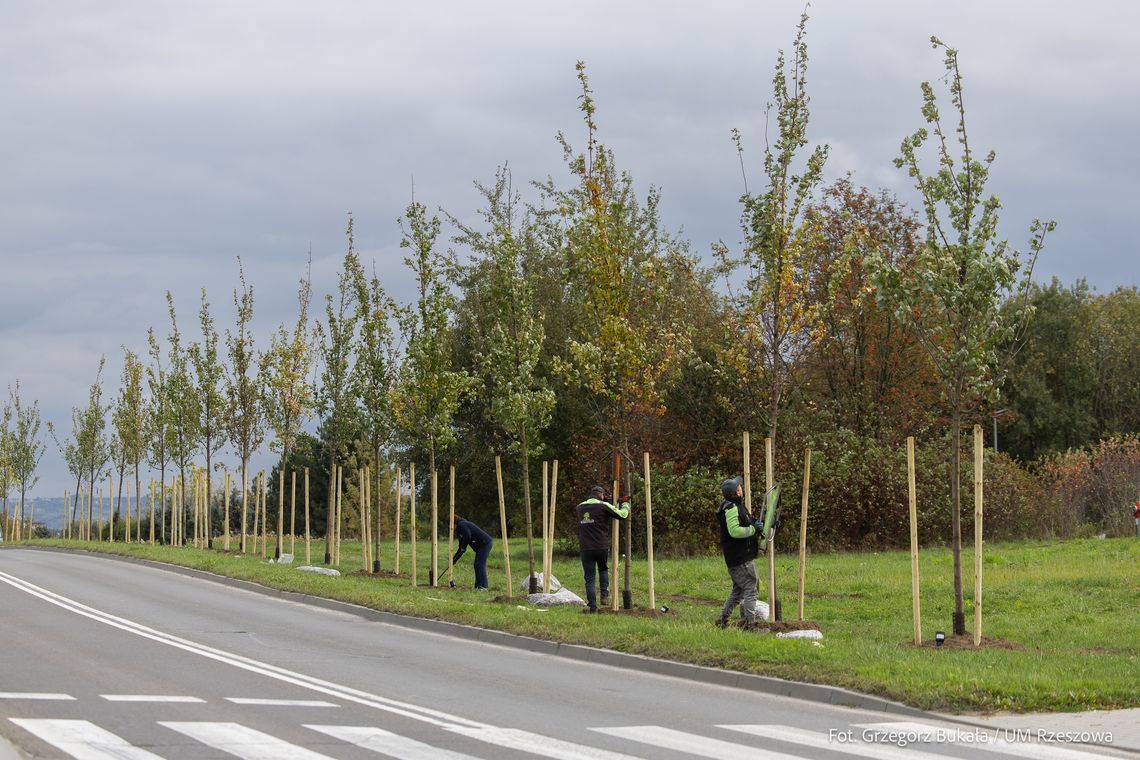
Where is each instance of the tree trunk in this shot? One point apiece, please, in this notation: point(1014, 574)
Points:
point(208, 527)
point(376, 531)
point(330, 515)
point(244, 502)
point(959, 619)
point(533, 589)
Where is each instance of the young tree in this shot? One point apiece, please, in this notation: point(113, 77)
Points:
point(26, 447)
point(334, 403)
point(129, 419)
point(159, 431)
point(952, 299)
point(288, 395)
point(776, 323)
point(509, 335)
point(429, 388)
point(6, 465)
point(245, 420)
point(93, 447)
point(185, 416)
point(374, 374)
point(211, 400)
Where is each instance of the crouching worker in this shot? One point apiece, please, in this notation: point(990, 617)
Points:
point(594, 518)
point(740, 544)
point(472, 535)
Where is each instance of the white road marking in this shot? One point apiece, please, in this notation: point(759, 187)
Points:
point(514, 738)
point(996, 742)
point(243, 742)
point(150, 698)
point(281, 702)
point(83, 740)
point(821, 740)
point(388, 743)
point(537, 744)
point(694, 744)
point(36, 695)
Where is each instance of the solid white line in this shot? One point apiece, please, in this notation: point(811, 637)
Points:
point(820, 740)
point(388, 743)
point(994, 742)
point(280, 702)
point(537, 744)
point(83, 740)
point(694, 744)
point(246, 743)
point(36, 695)
point(150, 698)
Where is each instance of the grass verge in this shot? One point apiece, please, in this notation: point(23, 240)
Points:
point(1064, 617)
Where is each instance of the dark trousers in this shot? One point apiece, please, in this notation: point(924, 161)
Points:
point(595, 559)
point(481, 555)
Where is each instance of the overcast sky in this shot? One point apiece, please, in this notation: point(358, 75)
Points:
point(145, 145)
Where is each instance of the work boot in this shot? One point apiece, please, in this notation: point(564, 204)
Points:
point(589, 610)
point(721, 622)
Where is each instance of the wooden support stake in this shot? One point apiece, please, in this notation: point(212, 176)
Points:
point(803, 531)
point(399, 494)
point(615, 537)
point(308, 533)
point(545, 526)
point(553, 500)
point(339, 514)
point(916, 606)
point(256, 510)
point(264, 515)
point(649, 534)
point(293, 516)
point(433, 576)
point(503, 526)
point(127, 514)
point(226, 502)
point(280, 548)
point(362, 515)
point(152, 513)
point(412, 517)
point(450, 525)
point(773, 612)
point(977, 535)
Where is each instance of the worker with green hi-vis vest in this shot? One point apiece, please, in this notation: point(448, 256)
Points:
point(739, 541)
point(594, 518)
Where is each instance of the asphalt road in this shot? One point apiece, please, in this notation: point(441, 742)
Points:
point(105, 659)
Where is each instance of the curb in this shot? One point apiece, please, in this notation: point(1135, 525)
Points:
point(829, 695)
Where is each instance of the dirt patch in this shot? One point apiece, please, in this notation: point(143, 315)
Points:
point(783, 626)
point(966, 641)
point(381, 574)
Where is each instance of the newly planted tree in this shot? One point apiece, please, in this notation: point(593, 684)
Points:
point(185, 417)
point(26, 447)
point(6, 477)
point(129, 418)
point(509, 334)
point(776, 322)
point(288, 395)
point(93, 446)
point(336, 340)
point(159, 431)
point(952, 299)
point(211, 402)
point(245, 418)
point(374, 375)
point(429, 387)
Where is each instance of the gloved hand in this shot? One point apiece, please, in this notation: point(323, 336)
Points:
point(757, 523)
point(625, 499)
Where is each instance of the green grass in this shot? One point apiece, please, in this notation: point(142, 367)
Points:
point(1073, 607)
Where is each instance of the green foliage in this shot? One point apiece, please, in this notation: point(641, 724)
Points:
point(183, 400)
point(775, 322)
point(24, 446)
point(339, 420)
point(287, 396)
point(508, 334)
point(245, 416)
point(429, 389)
point(208, 376)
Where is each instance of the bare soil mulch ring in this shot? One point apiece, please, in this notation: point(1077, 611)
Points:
point(783, 626)
point(966, 641)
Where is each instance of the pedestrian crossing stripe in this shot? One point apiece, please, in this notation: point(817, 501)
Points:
point(83, 740)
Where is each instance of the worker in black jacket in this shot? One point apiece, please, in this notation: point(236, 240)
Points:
point(740, 545)
point(471, 534)
point(594, 518)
